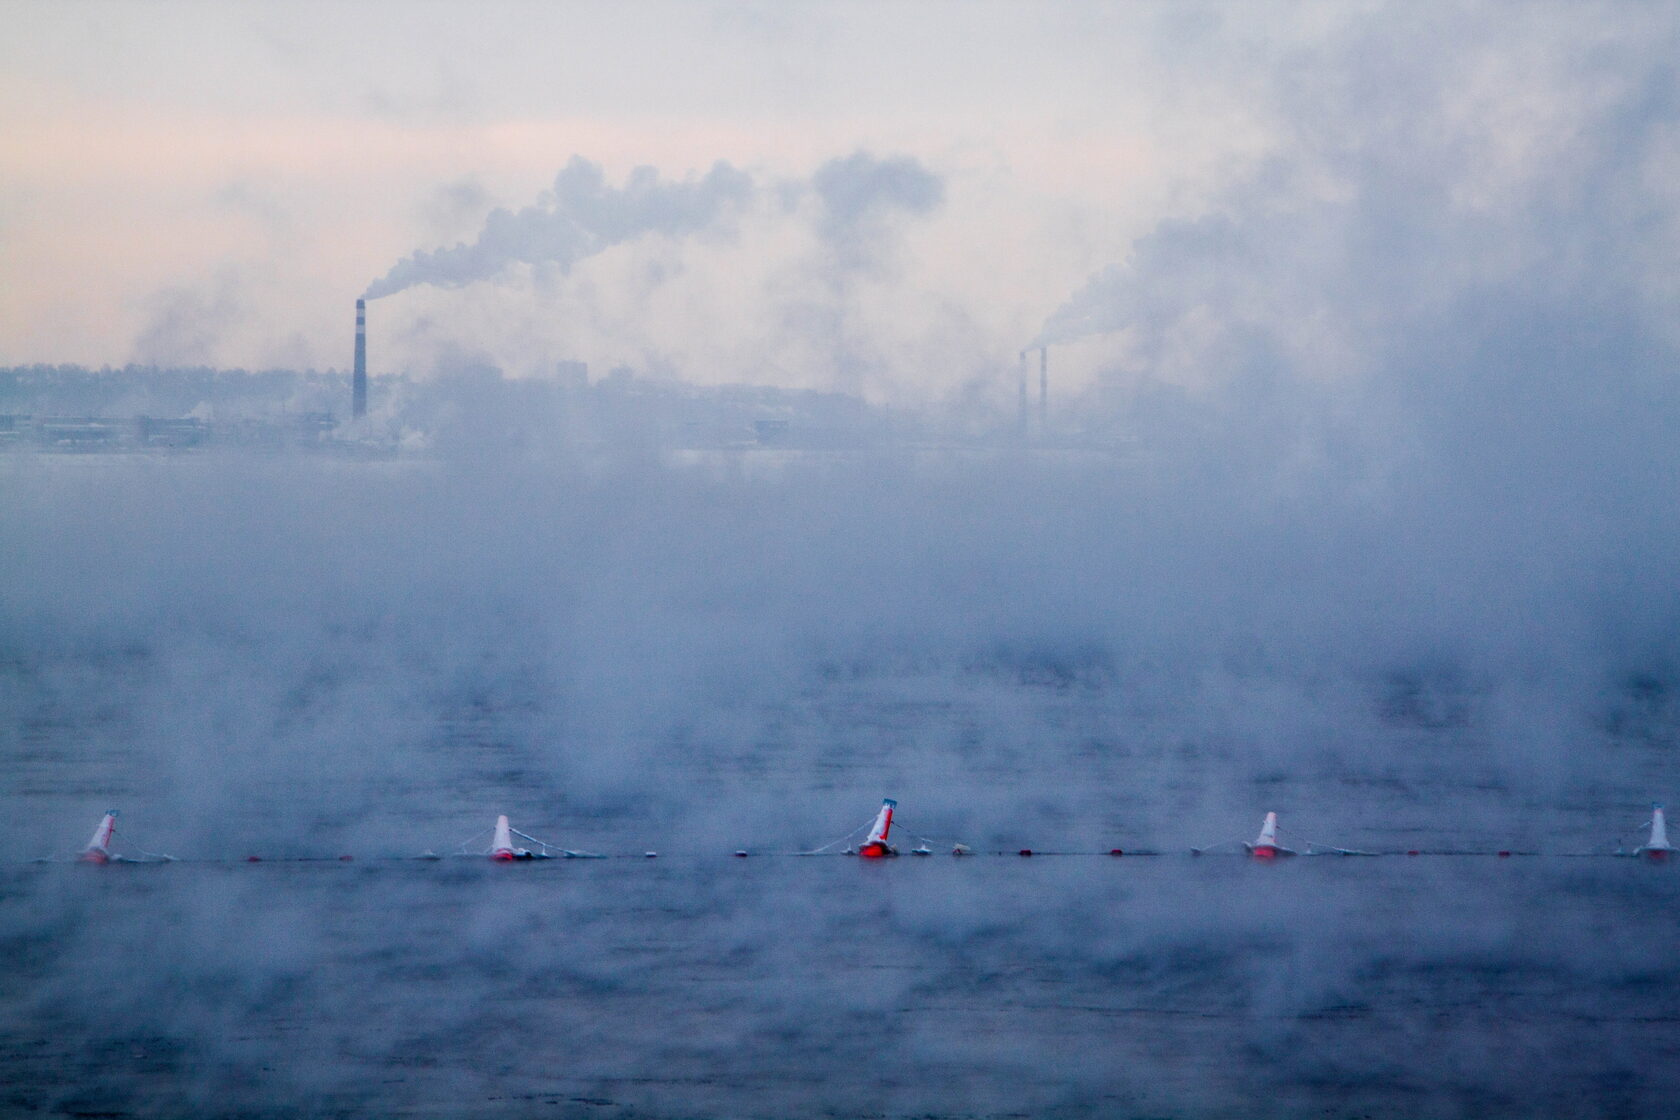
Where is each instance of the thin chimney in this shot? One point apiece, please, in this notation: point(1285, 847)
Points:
point(1023, 409)
point(358, 387)
point(1043, 389)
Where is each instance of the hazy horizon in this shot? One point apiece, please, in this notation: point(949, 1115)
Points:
point(1353, 500)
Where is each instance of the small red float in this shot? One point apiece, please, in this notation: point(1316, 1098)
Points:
point(501, 848)
point(875, 846)
point(1265, 845)
point(99, 848)
point(1657, 847)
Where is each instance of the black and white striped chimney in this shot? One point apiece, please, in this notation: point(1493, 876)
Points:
point(358, 387)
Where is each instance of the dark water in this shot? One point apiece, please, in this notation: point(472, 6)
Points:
point(697, 986)
point(299, 661)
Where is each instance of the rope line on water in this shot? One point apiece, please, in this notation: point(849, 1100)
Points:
point(846, 839)
point(146, 857)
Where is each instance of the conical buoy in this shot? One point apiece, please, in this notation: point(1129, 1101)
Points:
point(1266, 845)
point(876, 846)
point(1657, 847)
point(99, 848)
point(502, 849)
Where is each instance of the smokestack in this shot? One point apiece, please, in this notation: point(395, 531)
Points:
point(1043, 389)
point(358, 387)
point(1023, 411)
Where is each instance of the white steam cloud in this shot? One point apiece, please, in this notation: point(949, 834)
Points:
point(1391, 551)
point(1417, 171)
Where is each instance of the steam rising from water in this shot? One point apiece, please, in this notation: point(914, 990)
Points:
point(1388, 546)
point(299, 645)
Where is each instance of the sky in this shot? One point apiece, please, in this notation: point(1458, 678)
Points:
point(196, 183)
point(200, 183)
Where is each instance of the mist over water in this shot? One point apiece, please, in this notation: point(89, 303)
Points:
point(306, 657)
point(833, 987)
point(301, 643)
point(1367, 518)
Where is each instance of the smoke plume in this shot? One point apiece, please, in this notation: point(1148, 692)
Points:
point(861, 194)
point(581, 216)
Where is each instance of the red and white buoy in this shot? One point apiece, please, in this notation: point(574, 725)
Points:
point(1657, 847)
point(502, 849)
point(99, 848)
point(876, 846)
point(1266, 845)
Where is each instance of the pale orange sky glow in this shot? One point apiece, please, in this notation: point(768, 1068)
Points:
point(250, 168)
point(264, 179)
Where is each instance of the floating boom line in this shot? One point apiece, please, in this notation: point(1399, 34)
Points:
point(829, 848)
point(1269, 844)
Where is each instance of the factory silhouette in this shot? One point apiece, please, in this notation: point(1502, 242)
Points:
point(135, 409)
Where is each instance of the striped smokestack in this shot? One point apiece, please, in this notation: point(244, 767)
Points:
point(358, 387)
